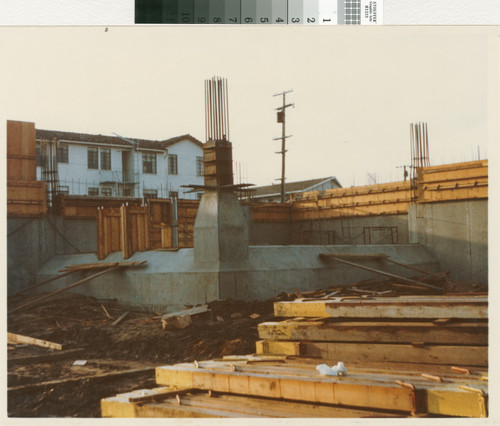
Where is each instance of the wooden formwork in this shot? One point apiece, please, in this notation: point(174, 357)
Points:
point(125, 228)
point(272, 212)
point(84, 207)
point(26, 198)
point(451, 182)
point(380, 199)
point(21, 151)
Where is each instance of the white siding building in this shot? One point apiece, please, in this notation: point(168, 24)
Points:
point(98, 165)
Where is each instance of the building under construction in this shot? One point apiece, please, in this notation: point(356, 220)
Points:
point(368, 301)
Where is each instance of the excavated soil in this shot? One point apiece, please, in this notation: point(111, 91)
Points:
point(80, 322)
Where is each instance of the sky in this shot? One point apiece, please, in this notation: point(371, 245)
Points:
point(355, 91)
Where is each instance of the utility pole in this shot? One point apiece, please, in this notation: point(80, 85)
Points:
point(281, 119)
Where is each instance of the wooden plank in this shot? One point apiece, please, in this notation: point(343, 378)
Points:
point(457, 333)
point(430, 354)
point(456, 402)
point(324, 256)
point(31, 287)
point(466, 307)
point(120, 318)
point(310, 389)
point(199, 402)
point(13, 338)
point(96, 378)
point(87, 266)
point(49, 357)
point(53, 293)
point(124, 232)
point(354, 256)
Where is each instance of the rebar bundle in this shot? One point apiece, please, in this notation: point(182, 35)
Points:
point(216, 110)
point(419, 145)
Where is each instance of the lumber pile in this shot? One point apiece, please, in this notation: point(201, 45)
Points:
point(277, 386)
point(405, 356)
point(446, 329)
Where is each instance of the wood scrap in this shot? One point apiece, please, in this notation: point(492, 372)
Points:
point(50, 357)
point(177, 322)
point(101, 265)
point(120, 318)
point(13, 338)
point(167, 321)
point(53, 293)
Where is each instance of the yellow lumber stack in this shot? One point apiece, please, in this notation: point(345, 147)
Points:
point(448, 330)
point(396, 366)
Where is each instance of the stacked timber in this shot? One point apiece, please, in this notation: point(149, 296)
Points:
point(405, 356)
point(445, 329)
point(278, 386)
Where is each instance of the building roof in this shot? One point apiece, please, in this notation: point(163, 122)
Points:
point(291, 187)
point(114, 140)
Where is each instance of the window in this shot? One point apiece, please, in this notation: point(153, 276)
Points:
point(173, 194)
point(93, 192)
point(105, 159)
point(62, 153)
point(149, 193)
point(172, 164)
point(106, 192)
point(149, 162)
point(92, 159)
point(40, 159)
point(63, 190)
point(199, 166)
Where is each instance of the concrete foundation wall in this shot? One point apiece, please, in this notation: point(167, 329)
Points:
point(31, 242)
point(456, 234)
point(171, 280)
point(352, 230)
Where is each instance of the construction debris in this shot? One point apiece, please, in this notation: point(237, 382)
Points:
point(15, 339)
point(181, 319)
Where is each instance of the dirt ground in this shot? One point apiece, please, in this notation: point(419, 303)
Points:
point(138, 342)
point(41, 386)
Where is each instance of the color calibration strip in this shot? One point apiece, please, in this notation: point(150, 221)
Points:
point(260, 12)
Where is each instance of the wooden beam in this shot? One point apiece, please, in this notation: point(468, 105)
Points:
point(385, 352)
point(387, 274)
point(199, 403)
point(115, 375)
point(53, 293)
point(42, 283)
point(456, 333)
point(316, 389)
point(49, 357)
point(13, 338)
point(86, 266)
point(354, 256)
point(465, 307)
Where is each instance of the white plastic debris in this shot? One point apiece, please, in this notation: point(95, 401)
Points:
point(334, 370)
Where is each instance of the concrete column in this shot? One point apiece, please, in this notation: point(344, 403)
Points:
point(220, 230)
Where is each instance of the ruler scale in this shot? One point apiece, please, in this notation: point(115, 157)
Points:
point(259, 12)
